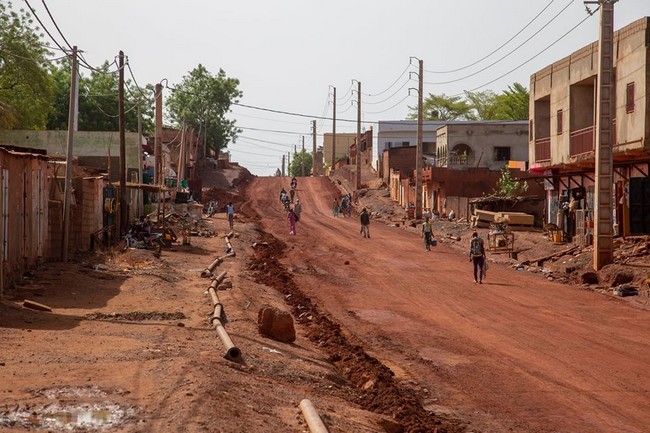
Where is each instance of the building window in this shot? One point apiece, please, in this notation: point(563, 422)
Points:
point(406, 143)
point(502, 154)
point(629, 98)
point(389, 144)
point(559, 122)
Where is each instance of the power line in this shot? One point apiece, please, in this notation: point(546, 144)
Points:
point(55, 24)
point(383, 111)
point(33, 11)
point(509, 53)
point(393, 83)
point(530, 59)
point(390, 97)
point(499, 48)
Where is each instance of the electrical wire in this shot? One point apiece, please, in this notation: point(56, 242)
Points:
point(394, 82)
point(383, 111)
point(496, 50)
point(55, 24)
point(530, 59)
point(33, 11)
point(509, 53)
point(390, 97)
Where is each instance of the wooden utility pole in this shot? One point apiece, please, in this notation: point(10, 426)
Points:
point(289, 162)
point(357, 183)
point(68, 163)
point(181, 160)
point(333, 132)
point(158, 178)
point(418, 161)
point(302, 158)
point(124, 214)
point(139, 193)
point(603, 228)
point(282, 165)
point(314, 171)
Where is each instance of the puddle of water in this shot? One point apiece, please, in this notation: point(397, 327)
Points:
point(68, 418)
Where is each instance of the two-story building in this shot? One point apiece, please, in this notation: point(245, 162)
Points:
point(563, 101)
point(489, 144)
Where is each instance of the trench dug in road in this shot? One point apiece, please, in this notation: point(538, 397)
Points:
point(518, 353)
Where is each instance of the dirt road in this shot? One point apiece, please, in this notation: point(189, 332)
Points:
point(517, 353)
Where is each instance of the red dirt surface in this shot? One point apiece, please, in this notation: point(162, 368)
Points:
point(390, 338)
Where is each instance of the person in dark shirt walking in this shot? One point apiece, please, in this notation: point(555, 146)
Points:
point(477, 256)
point(364, 217)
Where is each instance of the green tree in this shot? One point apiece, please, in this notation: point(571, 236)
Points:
point(513, 103)
point(98, 101)
point(26, 89)
point(300, 160)
point(202, 100)
point(484, 105)
point(443, 107)
point(508, 187)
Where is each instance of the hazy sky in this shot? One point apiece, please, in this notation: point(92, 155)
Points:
point(287, 53)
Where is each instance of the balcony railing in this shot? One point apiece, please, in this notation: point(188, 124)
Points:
point(582, 141)
point(460, 160)
point(543, 149)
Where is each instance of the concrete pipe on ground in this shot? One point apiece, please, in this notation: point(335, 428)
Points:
point(314, 422)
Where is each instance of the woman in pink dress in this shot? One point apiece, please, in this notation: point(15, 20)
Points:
point(292, 222)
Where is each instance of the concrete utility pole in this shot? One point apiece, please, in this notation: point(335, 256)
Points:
point(282, 165)
point(68, 163)
point(333, 132)
point(289, 162)
point(313, 159)
point(124, 213)
point(302, 158)
point(138, 194)
point(418, 161)
point(357, 182)
point(603, 228)
point(158, 141)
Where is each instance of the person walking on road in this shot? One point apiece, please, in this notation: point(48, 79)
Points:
point(477, 256)
point(230, 210)
point(364, 218)
point(426, 234)
point(291, 216)
point(297, 209)
point(335, 208)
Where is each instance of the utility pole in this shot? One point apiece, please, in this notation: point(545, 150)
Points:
point(289, 163)
point(313, 159)
point(158, 142)
point(140, 180)
point(603, 229)
point(282, 165)
point(124, 215)
point(68, 163)
point(418, 161)
point(302, 158)
point(357, 183)
point(333, 132)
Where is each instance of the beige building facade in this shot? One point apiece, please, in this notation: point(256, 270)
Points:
point(343, 143)
point(563, 101)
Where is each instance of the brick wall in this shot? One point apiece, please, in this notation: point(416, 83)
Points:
point(401, 159)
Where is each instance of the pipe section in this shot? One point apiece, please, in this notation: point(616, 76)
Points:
point(314, 422)
point(232, 352)
point(210, 269)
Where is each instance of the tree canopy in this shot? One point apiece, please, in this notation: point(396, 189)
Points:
point(98, 101)
point(511, 104)
point(26, 88)
point(202, 100)
point(298, 161)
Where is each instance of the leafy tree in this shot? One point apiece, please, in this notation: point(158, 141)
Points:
point(203, 100)
point(98, 101)
point(508, 187)
point(300, 160)
point(484, 105)
point(26, 89)
point(513, 103)
point(442, 107)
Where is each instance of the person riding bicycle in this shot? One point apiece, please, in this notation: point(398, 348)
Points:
point(294, 183)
